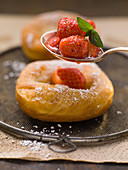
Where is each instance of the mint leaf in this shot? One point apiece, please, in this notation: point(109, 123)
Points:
point(95, 39)
point(84, 25)
point(93, 35)
point(88, 33)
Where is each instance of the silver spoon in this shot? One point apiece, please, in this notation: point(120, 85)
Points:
point(46, 36)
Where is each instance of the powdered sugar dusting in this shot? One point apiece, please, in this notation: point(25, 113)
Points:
point(60, 88)
point(81, 93)
point(38, 91)
point(37, 98)
point(75, 99)
point(95, 74)
point(39, 88)
point(16, 67)
point(33, 145)
point(6, 77)
point(48, 155)
point(119, 112)
point(64, 88)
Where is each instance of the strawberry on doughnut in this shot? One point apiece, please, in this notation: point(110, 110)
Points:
point(72, 77)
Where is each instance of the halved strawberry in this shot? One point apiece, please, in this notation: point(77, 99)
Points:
point(94, 51)
point(74, 46)
point(72, 77)
point(55, 78)
point(54, 42)
point(67, 27)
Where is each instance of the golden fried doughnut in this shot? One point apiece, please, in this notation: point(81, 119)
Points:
point(32, 32)
point(42, 100)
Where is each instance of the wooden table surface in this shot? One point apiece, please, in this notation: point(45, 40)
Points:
point(114, 33)
point(58, 165)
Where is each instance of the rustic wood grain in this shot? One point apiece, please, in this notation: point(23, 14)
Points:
point(58, 165)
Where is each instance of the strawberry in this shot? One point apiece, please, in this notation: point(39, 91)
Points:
point(54, 42)
point(74, 46)
point(67, 27)
point(94, 51)
point(72, 77)
point(91, 22)
point(55, 78)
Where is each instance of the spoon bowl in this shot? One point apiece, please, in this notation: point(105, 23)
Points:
point(50, 34)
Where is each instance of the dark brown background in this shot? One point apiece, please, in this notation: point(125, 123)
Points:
point(85, 7)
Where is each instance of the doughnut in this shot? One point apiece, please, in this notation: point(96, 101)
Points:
point(40, 99)
point(31, 33)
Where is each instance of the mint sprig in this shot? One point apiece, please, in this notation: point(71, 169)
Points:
point(93, 35)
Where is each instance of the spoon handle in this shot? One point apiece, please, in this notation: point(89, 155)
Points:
point(113, 50)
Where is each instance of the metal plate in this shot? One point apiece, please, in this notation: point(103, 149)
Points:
point(111, 124)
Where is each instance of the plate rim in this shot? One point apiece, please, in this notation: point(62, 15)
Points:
point(27, 134)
